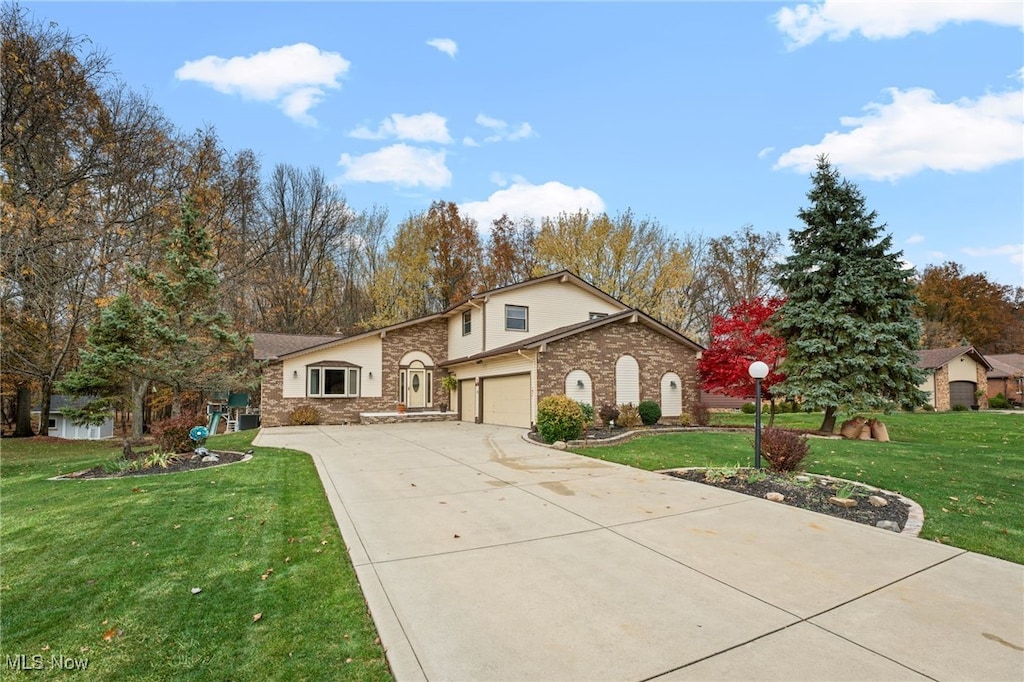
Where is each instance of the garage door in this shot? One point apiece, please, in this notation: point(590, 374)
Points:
point(961, 393)
point(507, 400)
point(467, 400)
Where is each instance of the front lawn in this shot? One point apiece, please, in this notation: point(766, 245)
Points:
point(103, 570)
point(966, 469)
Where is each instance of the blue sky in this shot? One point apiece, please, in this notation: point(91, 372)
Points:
point(705, 116)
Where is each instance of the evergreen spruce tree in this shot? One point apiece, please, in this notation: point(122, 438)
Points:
point(848, 323)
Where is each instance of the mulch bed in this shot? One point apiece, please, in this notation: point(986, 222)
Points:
point(186, 462)
point(812, 495)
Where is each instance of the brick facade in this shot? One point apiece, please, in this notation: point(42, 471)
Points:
point(596, 351)
point(941, 400)
point(430, 337)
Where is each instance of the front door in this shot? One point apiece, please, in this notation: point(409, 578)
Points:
point(417, 387)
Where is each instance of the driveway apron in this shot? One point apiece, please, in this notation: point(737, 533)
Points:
point(485, 557)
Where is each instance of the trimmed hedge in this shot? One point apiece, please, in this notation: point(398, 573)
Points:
point(559, 417)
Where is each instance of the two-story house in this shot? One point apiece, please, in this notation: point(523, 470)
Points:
point(507, 348)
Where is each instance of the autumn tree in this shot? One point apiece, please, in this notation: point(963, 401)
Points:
point(957, 306)
point(848, 318)
point(362, 260)
point(741, 337)
point(510, 253)
point(454, 254)
point(70, 135)
point(296, 286)
point(634, 260)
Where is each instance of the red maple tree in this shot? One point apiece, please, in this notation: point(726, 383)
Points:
point(737, 339)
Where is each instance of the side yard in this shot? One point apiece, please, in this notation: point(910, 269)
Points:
point(103, 571)
point(966, 469)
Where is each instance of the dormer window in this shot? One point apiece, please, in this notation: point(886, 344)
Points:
point(467, 322)
point(517, 318)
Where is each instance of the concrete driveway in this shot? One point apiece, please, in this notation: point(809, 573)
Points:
point(484, 557)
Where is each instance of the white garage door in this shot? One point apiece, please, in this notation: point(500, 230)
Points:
point(507, 401)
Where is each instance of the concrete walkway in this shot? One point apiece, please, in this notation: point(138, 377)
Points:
point(483, 557)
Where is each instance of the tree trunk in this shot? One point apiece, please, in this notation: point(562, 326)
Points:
point(771, 413)
point(44, 409)
point(828, 425)
point(139, 409)
point(23, 410)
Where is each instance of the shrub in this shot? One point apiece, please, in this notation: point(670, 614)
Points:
point(959, 407)
point(928, 407)
point(748, 408)
point(701, 414)
point(608, 414)
point(306, 415)
point(783, 449)
point(172, 434)
point(629, 416)
point(559, 417)
point(650, 412)
point(999, 402)
point(685, 419)
point(588, 413)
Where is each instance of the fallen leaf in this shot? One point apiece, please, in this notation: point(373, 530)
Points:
point(196, 590)
point(111, 634)
point(256, 617)
point(287, 559)
point(955, 499)
point(46, 647)
point(231, 518)
point(177, 526)
point(323, 542)
point(348, 660)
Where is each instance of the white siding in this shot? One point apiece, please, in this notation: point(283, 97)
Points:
point(963, 368)
point(460, 346)
point(512, 363)
point(627, 380)
point(551, 304)
point(365, 352)
point(581, 394)
point(671, 398)
point(929, 386)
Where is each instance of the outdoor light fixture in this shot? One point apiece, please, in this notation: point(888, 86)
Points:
point(370, 374)
point(295, 374)
point(579, 383)
point(758, 371)
point(671, 384)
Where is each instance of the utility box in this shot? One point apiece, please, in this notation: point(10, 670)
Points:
point(248, 421)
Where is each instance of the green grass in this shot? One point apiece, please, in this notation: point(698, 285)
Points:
point(966, 469)
point(81, 559)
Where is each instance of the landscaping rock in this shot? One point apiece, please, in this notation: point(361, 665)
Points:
point(847, 502)
point(876, 501)
point(211, 458)
point(774, 497)
point(889, 525)
point(802, 479)
point(559, 445)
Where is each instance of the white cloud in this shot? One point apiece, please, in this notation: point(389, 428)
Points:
point(501, 131)
point(765, 152)
point(836, 19)
point(535, 201)
point(428, 127)
point(446, 45)
point(470, 142)
point(937, 255)
point(1015, 252)
point(296, 77)
point(400, 165)
point(916, 132)
point(915, 239)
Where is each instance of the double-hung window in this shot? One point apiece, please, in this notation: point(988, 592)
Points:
point(517, 318)
point(467, 322)
point(334, 382)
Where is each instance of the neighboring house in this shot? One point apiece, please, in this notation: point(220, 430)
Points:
point(1007, 377)
point(62, 427)
point(954, 377)
point(719, 402)
point(508, 348)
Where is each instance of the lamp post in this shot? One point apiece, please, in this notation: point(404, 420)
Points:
point(758, 370)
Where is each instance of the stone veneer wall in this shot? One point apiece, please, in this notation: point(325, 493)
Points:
point(596, 351)
point(431, 337)
point(983, 387)
point(941, 398)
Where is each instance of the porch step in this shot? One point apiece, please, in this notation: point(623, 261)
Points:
point(406, 417)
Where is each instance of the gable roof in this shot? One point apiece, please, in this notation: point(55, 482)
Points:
point(933, 358)
point(268, 346)
point(544, 338)
point(1006, 365)
point(564, 276)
